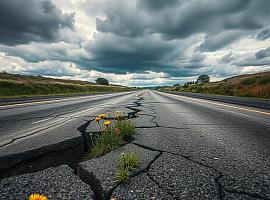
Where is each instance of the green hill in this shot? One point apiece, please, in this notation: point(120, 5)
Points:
point(15, 85)
point(251, 85)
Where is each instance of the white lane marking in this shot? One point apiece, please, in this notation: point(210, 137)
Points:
point(221, 104)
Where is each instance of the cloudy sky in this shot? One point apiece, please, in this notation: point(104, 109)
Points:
point(135, 42)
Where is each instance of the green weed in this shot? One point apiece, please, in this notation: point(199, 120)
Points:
point(129, 161)
point(106, 142)
point(121, 175)
point(126, 128)
point(126, 163)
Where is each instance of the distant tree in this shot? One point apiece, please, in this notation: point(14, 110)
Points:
point(102, 81)
point(203, 79)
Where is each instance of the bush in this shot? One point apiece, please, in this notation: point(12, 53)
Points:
point(102, 81)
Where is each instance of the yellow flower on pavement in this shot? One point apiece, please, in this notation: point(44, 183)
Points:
point(37, 197)
point(98, 118)
point(107, 123)
point(102, 115)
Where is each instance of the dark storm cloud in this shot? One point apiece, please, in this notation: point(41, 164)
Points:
point(263, 53)
point(264, 34)
point(122, 54)
point(219, 23)
point(157, 5)
point(24, 21)
point(227, 58)
point(180, 19)
point(216, 42)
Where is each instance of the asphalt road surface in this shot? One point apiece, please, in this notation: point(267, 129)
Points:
point(202, 149)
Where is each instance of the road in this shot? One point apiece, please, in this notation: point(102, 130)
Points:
point(204, 149)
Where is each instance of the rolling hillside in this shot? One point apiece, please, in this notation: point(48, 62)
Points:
point(251, 85)
point(14, 85)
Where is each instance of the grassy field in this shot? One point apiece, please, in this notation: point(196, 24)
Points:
point(14, 85)
point(252, 85)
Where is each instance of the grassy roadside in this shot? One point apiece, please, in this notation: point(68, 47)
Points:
point(12, 86)
point(252, 85)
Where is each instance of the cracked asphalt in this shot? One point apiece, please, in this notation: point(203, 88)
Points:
point(190, 149)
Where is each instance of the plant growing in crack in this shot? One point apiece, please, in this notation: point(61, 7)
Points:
point(114, 132)
point(126, 163)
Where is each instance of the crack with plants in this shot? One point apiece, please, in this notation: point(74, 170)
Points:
point(108, 194)
point(88, 177)
point(220, 188)
point(216, 179)
point(97, 188)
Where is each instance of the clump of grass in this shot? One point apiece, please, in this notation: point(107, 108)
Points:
point(112, 135)
point(125, 164)
point(121, 175)
point(126, 127)
point(106, 142)
point(129, 161)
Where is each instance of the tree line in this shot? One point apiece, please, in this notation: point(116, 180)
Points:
point(200, 80)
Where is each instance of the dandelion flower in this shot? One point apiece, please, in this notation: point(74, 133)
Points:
point(37, 197)
point(98, 118)
point(102, 115)
point(107, 123)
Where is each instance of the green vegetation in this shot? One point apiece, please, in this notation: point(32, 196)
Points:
point(252, 85)
point(18, 85)
point(102, 81)
point(126, 127)
point(129, 161)
point(203, 79)
point(121, 175)
point(126, 163)
point(106, 142)
point(112, 135)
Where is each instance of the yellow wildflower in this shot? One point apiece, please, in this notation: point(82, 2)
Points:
point(107, 123)
point(37, 197)
point(98, 118)
point(102, 115)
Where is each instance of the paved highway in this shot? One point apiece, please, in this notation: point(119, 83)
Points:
point(206, 149)
point(20, 119)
